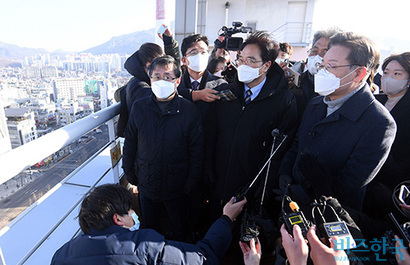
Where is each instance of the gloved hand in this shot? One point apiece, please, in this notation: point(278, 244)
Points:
point(344, 215)
point(316, 176)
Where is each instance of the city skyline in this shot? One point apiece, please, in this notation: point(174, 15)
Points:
point(72, 25)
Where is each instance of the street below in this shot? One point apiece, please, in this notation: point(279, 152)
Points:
point(49, 176)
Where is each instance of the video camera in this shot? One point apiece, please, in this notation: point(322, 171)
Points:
point(232, 43)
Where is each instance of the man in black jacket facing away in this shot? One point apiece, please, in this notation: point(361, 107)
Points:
point(163, 149)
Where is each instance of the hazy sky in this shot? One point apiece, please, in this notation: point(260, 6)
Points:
point(76, 25)
point(384, 21)
point(71, 25)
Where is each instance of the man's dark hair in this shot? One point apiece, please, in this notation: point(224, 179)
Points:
point(148, 52)
point(213, 63)
point(98, 208)
point(268, 46)
point(188, 41)
point(164, 61)
point(327, 33)
point(403, 59)
point(363, 51)
point(286, 48)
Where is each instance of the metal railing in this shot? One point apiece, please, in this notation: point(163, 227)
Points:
point(294, 33)
point(23, 157)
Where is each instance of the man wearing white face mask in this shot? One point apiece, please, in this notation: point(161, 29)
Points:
point(238, 133)
point(198, 84)
point(345, 134)
point(305, 91)
point(163, 150)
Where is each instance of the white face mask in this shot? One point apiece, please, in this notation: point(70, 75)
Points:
point(313, 64)
point(247, 74)
point(282, 61)
point(219, 73)
point(162, 89)
point(136, 225)
point(327, 83)
point(392, 86)
point(198, 63)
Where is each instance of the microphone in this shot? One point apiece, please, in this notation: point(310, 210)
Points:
point(277, 133)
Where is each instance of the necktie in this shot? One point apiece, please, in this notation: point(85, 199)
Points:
point(248, 96)
point(195, 85)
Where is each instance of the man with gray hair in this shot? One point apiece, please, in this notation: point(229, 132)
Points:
point(305, 91)
point(345, 134)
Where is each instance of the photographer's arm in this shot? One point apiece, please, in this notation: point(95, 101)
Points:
point(218, 238)
point(171, 46)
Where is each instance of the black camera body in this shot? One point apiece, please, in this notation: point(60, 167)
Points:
point(232, 43)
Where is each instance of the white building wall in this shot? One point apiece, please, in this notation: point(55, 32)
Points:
point(22, 132)
point(5, 144)
point(268, 15)
point(69, 89)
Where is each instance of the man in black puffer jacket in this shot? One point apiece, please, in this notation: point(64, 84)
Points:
point(111, 235)
point(163, 149)
point(139, 85)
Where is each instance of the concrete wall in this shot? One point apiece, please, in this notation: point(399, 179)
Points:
point(268, 14)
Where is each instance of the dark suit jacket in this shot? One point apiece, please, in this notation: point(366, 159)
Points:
point(208, 81)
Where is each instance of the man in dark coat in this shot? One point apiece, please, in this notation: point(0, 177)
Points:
point(163, 149)
point(239, 132)
point(198, 84)
point(111, 235)
point(139, 85)
point(345, 134)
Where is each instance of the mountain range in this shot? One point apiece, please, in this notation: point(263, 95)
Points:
point(12, 55)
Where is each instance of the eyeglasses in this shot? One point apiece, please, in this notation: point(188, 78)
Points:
point(165, 78)
point(314, 52)
point(328, 68)
point(196, 52)
point(248, 61)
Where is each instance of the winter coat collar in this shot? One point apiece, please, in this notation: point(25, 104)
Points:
point(174, 106)
point(187, 80)
point(353, 108)
point(110, 230)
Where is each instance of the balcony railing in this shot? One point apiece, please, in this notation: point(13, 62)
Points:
point(295, 33)
point(27, 155)
point(34, 235)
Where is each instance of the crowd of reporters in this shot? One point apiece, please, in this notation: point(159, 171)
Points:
point(195, 139)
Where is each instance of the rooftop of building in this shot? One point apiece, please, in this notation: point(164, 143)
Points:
point(11, 112)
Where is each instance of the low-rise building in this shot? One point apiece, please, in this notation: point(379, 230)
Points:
point(21, 126)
